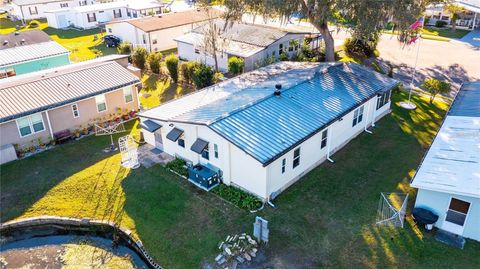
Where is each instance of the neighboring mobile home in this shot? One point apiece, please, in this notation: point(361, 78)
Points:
point(35, 9)
point(468, 19)
point(262, 139)
point(41, 104)
point(92, 16)
point(157, 33)
point(29, 51)
point(253, 43)
point(448, 180)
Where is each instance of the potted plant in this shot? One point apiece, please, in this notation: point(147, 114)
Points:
point(85, 129)
point(133, 114)
point(125, 114)
point(40, 143)
point(77, 133)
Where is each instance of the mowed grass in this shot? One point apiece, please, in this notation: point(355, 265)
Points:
point(324, 220)
point(83, 44)
point(157, 90)
point(444, 32)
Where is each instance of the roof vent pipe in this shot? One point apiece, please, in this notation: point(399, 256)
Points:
point(277, 91)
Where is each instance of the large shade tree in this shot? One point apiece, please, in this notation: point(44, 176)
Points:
point(365, 17)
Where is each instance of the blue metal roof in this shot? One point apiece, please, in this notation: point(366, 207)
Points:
point(269, 128)
point(467, 101)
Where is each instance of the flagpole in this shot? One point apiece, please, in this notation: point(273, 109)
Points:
point(414, 68)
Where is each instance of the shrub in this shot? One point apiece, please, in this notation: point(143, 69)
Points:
point(124, 48)
point(238, 197)
point(359, 47)
point(440, 24)
point(191, 67)
point(184, 72)
point(217, 77)
point(235, 65)
point(172, 65)
point(435, 86)
point(179, 166)
point(154, 61)
point(283, 56)
point(203, 76)
point(33, 24)
point(139, 57)
point(97, 52)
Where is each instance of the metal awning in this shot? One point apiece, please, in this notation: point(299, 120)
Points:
point(199, 145)
point(174, 134)
point(150, 126)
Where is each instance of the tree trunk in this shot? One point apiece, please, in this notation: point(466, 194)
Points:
point(432, 97)
point(328, 39)
point(454, 24)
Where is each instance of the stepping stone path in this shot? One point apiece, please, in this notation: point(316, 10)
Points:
point(236, 250)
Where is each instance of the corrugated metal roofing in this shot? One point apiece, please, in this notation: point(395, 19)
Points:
point(467, 101)
point(275, 124)
point(257, 35)
point(265, 126)
point(34, 92)
point(30, 52)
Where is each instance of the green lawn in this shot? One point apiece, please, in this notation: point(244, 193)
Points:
point(444, 32)
point(84, 44)
point(324, 220)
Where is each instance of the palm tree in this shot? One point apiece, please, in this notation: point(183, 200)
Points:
point(455, 10)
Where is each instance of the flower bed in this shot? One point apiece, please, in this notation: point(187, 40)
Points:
point(179, 166)
point(238, 197)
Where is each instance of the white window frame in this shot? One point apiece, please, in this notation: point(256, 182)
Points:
point(125, 94)
point(284, 165)
point(104, 101)
point(30, 124)
point(215, 151)
point(94, 17)
point(75, 108)
point(63, 5)
point(324, 138)
point(30, 10)
point(357, 116)
point(297, 157)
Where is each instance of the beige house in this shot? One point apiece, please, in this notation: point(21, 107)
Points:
point(40, 105)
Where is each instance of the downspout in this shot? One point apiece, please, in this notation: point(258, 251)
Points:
point(329, 138)
point(366, 121)
point(49, 124)
point(374, 110)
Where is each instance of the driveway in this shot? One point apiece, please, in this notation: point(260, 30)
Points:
point(472, 38)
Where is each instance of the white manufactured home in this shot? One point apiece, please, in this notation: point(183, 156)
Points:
point(263, 130)
point(35, 9)
point(253, 43)
point(448, 180)
point(92, 16)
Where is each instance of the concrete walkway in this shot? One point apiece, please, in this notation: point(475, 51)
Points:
point(472, 38)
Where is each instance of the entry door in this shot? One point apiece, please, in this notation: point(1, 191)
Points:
point(456, 216)
point(62, 21)
point(158, 140)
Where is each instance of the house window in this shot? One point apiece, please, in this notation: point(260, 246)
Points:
point(82, 3)
point(280, 49)
point(324, 139)
point(30, 124)
point(284, 163)
point(62, 5)
point(9, 72)
point(215, 150)
point(134, 12)
point(75, 111)
point(206, 154)
point(101, 103)
point(197, 51)
point(33, 10)
point(154, 41)
point(129, 13)
point(181, 141)
point(127, 94)
point(144, 37)
point(109, 30)
point(296, 157)
point(291, 45)
point(91, 17)
point(357, 116)
point(383, 99)
point(117, 13)
point(297, 44)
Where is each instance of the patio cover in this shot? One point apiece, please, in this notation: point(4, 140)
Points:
point(174, 134)
point(199, 145)
point(150, 126)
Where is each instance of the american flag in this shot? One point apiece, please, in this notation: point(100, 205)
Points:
point(417, 24)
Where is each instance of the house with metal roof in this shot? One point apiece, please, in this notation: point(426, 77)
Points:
point(157, 33)
point(38, 106)
point(448, 179)
point(263, 130)
point(25, 52)
point(91, 16)
point(253, 43)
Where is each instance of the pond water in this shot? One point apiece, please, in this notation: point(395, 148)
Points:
point(67, 251)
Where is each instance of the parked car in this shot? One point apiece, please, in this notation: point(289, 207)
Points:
point(111, 40)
